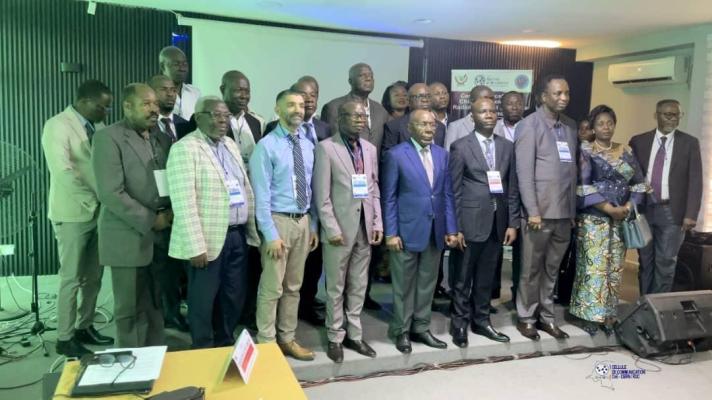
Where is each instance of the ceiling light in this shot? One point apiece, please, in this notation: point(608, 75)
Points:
point(533, 43)
point(528, 30)
point(423, 21)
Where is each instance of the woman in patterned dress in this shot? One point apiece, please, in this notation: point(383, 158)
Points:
point(609, 180)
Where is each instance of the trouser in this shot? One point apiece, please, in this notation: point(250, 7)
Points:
point(346, 281)
point(216, 293)
point(542, 251)
point(310, 284)
point(169, 274)
point(658, 259)
point(278, 293)
point(79, 272)
point(137, 308)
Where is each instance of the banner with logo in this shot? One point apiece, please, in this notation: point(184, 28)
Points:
point(500, 81)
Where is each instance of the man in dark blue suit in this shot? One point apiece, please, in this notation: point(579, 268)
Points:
point(419, 219)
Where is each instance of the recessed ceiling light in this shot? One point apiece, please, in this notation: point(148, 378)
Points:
point(269, 4)
point(533, 43)
point(423, 21)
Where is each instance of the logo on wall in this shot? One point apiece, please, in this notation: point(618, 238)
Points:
point(480, 80)
point(461, 80)
point(521, 81)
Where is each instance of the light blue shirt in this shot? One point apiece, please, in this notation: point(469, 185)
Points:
point(273, 179)
point(238, 214)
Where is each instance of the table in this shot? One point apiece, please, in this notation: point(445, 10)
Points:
point(271, 378)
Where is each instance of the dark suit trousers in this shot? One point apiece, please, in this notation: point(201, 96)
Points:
point(169, 272)
point(473, 282)
point(310, 284)
point(137, 306)
point(254, 273)
point(216, 293)
point(658, 259)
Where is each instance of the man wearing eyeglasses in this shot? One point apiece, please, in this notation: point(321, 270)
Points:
point(214, 223)
point(73, 209)
point(396, 131)
point(173, 64)
point(419, 220)
point(672, 164)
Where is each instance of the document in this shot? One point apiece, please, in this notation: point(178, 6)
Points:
point(147, 367)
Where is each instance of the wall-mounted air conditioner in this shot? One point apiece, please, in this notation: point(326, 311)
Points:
point(658, 71)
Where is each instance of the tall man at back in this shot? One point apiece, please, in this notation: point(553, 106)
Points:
point(174, 64)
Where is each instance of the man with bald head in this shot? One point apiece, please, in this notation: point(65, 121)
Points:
point(362, 82)
point(439, 101)
point(173, 64)
point(397, 130)
point(214, 223)
point(419, 220)
point(129, 164)
point(465, 125)
point(482, 166)
point(243, 128)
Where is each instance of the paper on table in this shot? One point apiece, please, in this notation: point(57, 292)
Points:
point(149, 361)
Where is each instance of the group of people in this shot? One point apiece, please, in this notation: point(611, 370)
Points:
point(252, 214)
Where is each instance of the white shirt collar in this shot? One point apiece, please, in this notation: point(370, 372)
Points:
point(670, 135)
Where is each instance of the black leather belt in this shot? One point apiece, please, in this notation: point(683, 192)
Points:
point(291, 215)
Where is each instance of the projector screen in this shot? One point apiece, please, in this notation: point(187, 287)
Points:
point(274, 58)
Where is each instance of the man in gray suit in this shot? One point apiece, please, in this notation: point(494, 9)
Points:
point(129, 164)
point(465, 125)
point(672, 164)
point(348, 200)
point(546, 169)
point(362, 82)
point(484, 182)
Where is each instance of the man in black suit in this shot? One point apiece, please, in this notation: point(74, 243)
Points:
point(245, 129)
point(672, 165)
point(396, 131)
point(311, 309)
point(171, 272)
point(439, 102)
point(484, 179)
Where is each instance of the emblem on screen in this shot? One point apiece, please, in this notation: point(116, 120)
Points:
point(480, 80)
point(521, 81)
point(461, 80)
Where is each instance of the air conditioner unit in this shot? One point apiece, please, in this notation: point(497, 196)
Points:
point(659, 71)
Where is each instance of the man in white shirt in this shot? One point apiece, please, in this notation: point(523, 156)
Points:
point(173, 64)
point(465, 125)
point(512, 104)
point(439, 101)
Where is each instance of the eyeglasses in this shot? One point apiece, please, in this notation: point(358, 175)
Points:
point(355, 116)
point(421, 96)
point(672, 115)
point(176, 64)
point(216, 115)
point(109, 359)
point(425, 124)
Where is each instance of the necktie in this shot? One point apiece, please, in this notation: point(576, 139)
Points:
point(90, 130)
point(301, 180)
point(169, 131)
point(428, 164)
point(488, 153)
point(309, 127)
point(358, 159)
point(656, 180)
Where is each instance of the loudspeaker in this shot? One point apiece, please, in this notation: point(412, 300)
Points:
point(667, 323)
point(694, 263)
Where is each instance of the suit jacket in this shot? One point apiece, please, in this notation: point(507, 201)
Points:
point(459, 129)
point(127, 190)
point(547, 186)
point(685, 179)
point(473, 200)
point(339, 212)
point(412, 209)
point(200, 200)
point(396, 131)
point(72, 186)
point(321, 128)
point(379, 117)
point(183, 126)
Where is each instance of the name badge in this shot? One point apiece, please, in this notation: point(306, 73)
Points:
point(161, 181)
point(359, 186)
point(494, 180)
point(236, 196)
point(564, 151)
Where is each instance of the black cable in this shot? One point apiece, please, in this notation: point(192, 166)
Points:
point(21, 386)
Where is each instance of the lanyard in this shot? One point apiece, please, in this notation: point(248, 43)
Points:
point(351, 153)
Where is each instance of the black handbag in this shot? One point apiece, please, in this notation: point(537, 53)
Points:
point(186, 393)
point(636, 231)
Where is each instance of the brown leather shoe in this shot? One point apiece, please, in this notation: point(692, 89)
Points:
point(553, 330)
point(294, 350)
point(528, 330)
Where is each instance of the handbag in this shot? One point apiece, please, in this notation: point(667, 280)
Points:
point(636, 231)
point(186, 393)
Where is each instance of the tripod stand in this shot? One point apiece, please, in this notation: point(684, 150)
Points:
point(39, 327)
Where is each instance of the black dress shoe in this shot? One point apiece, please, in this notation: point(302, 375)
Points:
point(177, 322)
point(489, 332)
point(91, 336)
point(71, 348)
point(371, 304)
point(360, 347)
point(312, 317)
point(459, 337)
point(428, 339)
point(528, 330)
point(335, 352)
point(403, 343)
point(553, 330)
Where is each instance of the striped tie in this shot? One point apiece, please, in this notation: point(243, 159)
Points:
point(301, 180)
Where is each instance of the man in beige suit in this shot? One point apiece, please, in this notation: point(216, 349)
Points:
point(128, 162)
point(72, 208)
point(348, 201)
